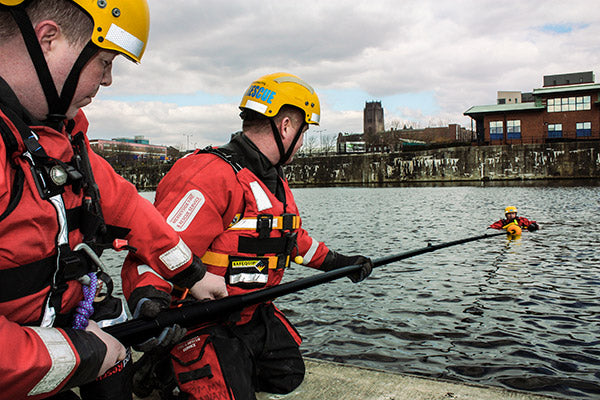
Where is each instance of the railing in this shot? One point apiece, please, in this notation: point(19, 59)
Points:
point(567, 136)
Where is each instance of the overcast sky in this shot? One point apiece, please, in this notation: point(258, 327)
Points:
point(427, 61)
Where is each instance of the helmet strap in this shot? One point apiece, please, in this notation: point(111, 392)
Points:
point(278, 140)
point(70, 85)
point(57, 105)
point(285, 155)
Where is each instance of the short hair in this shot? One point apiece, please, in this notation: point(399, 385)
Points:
point(75, 23)
point(255, 121)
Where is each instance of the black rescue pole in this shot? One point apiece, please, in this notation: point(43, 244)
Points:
point(138, 330)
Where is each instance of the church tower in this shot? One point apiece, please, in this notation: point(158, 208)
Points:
point(373, 118)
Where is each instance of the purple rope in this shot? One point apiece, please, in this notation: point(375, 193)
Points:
point(85, 308)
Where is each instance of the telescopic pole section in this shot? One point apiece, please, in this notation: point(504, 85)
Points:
point(138, 330)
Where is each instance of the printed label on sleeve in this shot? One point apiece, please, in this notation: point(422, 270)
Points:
point(184, 212)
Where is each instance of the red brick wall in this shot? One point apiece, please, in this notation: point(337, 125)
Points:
point(534, 123)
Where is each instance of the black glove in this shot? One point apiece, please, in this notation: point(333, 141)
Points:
point(533, 227)
point(147, 302)
point(335, 260)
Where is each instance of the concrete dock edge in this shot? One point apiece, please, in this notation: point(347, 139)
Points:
point(326, 380)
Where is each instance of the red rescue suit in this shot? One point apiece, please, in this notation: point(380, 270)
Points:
point(38, 359)
point(247, 234)
point(219, 210)
point(521, 221)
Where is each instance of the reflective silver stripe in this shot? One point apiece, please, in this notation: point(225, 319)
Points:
point(250, 223)
point(62, 356)
point(248, 278)
point(49, 315)
point(124, 39)
point(63, 233)
point(62, 238)
point(177, 256)
point(246, 223)
point(295, 79)
point(262, 200)
point(256, 106)
point(311, 252)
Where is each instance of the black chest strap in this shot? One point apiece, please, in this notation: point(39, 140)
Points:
point(11, 146)
point(226, 155)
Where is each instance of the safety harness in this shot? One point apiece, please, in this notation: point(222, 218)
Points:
point(246, 267)
point(51, 176)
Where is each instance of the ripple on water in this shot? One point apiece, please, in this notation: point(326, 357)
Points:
point(522, 314)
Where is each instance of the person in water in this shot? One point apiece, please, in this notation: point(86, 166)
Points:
point(233, 206)
point(511, 220)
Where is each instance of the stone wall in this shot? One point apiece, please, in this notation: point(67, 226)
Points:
point(144, 176)
point(508, 162)
point(477, 163)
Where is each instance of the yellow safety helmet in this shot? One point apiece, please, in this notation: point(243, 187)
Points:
point(268, 94)
point(119, 25)
point(510, 209)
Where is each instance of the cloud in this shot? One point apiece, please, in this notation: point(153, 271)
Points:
point(459, 53)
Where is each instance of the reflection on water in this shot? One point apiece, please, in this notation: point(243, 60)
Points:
point(521, 314)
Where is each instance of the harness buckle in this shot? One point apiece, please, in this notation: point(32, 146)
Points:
point(264, 224)
point(287, 221)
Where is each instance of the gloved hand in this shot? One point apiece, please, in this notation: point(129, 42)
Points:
point(147, 302)
point(168, 338)
point(533, 227)
point(335, 260)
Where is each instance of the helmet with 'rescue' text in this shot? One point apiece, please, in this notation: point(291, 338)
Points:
point(269, 93)
point(119, 25)
point(510, 209)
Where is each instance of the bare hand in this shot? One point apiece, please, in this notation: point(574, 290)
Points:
point(115, 351)
point(210, 287)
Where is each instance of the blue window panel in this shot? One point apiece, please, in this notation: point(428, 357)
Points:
point(513, 135)
point(584, 132)
point(554, 134)
point(496, 136)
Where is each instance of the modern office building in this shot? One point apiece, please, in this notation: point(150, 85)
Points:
point(567, 107)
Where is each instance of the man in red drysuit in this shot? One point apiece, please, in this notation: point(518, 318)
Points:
point(234, 207)
point(59, 202)
point(510, 213)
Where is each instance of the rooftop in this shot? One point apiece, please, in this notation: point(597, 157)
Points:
point(567, 88)
point(503, 107)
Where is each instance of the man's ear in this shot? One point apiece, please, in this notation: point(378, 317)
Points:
point(47, 33)
point(285, 127)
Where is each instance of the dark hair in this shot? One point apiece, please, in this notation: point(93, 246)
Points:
point(75, 23)
point(255, 121)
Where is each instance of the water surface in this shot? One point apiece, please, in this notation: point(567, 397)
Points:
point(522, 314)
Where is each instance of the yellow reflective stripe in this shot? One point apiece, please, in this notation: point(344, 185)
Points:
point(216, 259)
point(250, 223)
point(222, 260)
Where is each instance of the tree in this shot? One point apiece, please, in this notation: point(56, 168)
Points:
point(329, 144)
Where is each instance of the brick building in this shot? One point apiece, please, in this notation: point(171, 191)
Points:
point(567, 107)
point(125, 148)
point(376, 139)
